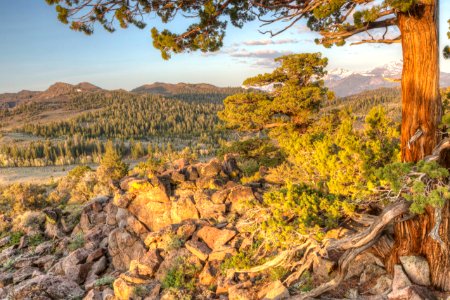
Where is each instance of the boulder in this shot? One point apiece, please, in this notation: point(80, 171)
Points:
point(215, 238)
point(413, 292)
point(400, 279)
point(183, 209)
point(274, 291)
point(146, 265)
point(211, 169)
point(209, 273)
point(198, 248)
point(222, 253)
point(239, 196)
point(123, 248)
point(152, 206)
point(93, 295)
point(238, 293)
point(417, 269)
point(47, 287)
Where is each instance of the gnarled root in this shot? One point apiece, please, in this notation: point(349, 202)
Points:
point(354, 245)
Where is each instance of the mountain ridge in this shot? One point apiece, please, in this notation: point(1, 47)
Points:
point(346, 82)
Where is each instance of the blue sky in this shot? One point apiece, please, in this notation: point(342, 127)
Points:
point(36, 51)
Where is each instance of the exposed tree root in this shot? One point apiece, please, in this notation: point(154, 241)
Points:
point(354, 245)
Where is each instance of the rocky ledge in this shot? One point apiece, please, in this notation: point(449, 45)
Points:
point(167, 230)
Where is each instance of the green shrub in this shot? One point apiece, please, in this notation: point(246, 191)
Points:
point(297, 210)
point(181, 276)
point(77, 242)
point(105, 280)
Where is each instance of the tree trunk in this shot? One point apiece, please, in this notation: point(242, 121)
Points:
point(421, 103)
point(421, 115)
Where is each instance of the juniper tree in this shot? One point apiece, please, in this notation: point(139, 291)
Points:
point(414, 21)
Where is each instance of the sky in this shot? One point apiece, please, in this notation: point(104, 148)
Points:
point(36, 50)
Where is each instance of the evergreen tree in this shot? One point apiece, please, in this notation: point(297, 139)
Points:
point(111, 166)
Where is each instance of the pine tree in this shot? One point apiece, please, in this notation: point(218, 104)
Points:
point(111, 165)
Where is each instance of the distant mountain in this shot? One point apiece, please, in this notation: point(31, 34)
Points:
point(344, 82)
point(59, 90)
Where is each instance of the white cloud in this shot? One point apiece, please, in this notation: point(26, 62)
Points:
point(267, 54)
point(270, 42)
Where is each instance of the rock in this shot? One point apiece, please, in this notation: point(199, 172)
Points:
point(7, 254)
point(128, 182)
point(152, 206)
point(413, 292)
point(25, 273)
point(322, 268)
point(74, 266)
point(400, 279)
point(125, 290)
point(122, 289)
point(382, 286)
point(417, 269)
point(5, 279)
point(96, 254)
point(93, 295)
point(274, 291)
point(219, 197)
point(45, 287)
point(215, 238)
point(360, 262)
point(45, 262)
point(183, 209)
point(198, 248)
point(211, 169)
point(146, 265)
point(239, 196)
point(222, 253)
point(173, 259)
point(123, 248)
point(207, 208)
point(237, 293)
point(123, 200)
point(44, 247)
point(209, 273)
point(23, 262)
point(370, 273)
point(107, 294)
point(185, 231)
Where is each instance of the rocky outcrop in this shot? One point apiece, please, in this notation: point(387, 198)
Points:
point(167, 236)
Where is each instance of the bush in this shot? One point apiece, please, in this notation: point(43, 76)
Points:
point(181, 276)
point(105, 280)
point(29, 221)
point(296, 211)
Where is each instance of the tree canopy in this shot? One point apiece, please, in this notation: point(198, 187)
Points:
point(335, 20)
point(295, 91)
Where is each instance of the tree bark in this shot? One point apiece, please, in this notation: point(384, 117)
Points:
point(421, 103)
point(421, 115)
